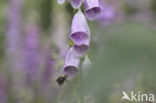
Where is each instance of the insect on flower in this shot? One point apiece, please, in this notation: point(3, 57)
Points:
point(60, 80)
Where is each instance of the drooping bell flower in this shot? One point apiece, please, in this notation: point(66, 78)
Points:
point(71, 64)
point(92, 8)
point(81, 49)
point(80, 33)
point(75, 3)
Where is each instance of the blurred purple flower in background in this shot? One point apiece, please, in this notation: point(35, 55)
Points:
point(48, 73)
point(2, 90)
point(92, 8)
point(107, 15)
point(71, 64)
point(49, 68)
point(13, 35)
point(108, 12)
point(14, 43)
point(31, 52)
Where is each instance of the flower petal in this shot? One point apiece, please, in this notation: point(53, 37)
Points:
point(79, 29)
point(71, 65)
point(81, 49)
point(92, 9)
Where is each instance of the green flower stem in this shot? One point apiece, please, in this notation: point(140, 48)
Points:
point(81, 81)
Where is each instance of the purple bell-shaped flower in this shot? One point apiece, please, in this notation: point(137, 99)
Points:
point(79, 29)
point(71, 64)
point(80, 33)
point(92, 8)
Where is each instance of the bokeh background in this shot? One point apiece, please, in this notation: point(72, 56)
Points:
point(34, 39)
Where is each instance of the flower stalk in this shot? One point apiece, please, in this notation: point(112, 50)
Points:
point(81, 80)
point(80, 35)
